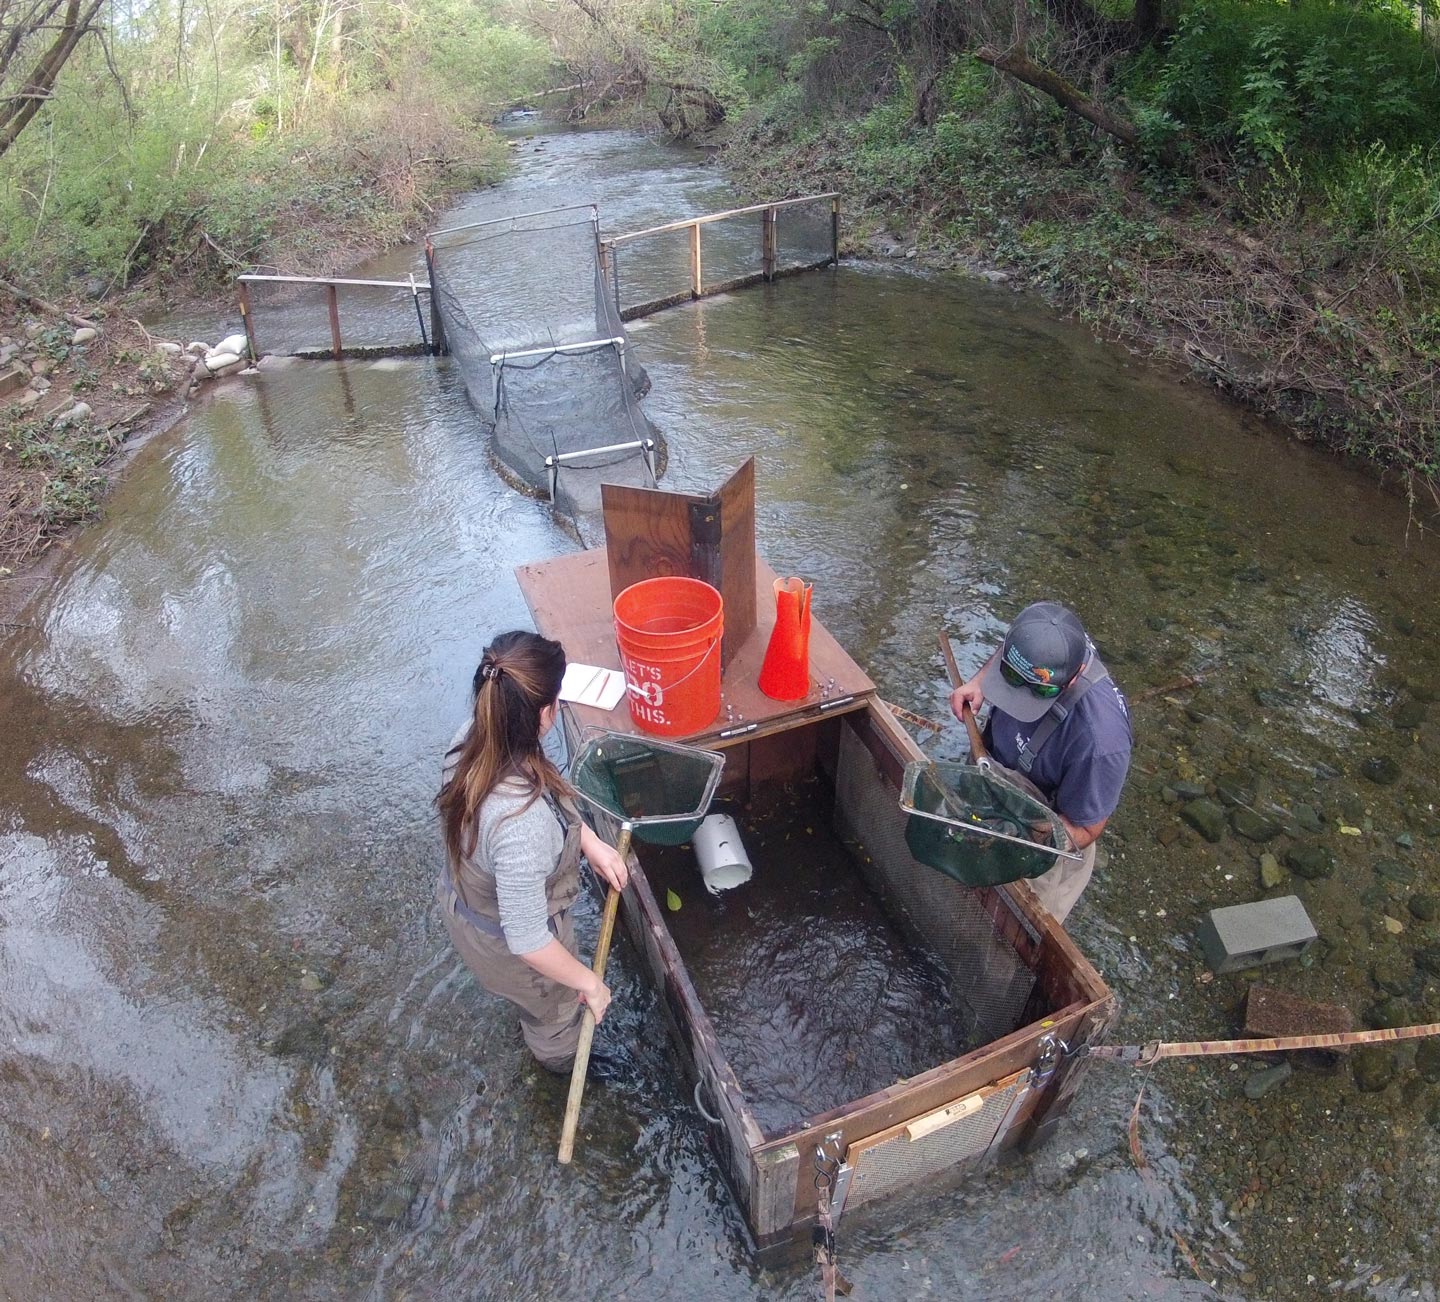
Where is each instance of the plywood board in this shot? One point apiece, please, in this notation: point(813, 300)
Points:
point(737, 555)
point(652, 533)
point(569, 599)
point(647, 534)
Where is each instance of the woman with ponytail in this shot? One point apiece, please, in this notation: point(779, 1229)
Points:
point(513, 842)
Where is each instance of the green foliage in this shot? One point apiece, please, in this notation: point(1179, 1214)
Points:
point(279, 134)
point(1266, 80)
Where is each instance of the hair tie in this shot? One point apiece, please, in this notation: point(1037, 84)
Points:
point(490, 672)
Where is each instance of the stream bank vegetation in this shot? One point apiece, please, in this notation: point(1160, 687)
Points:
point(1249, 187)
point(154, 149)
point(184, 140)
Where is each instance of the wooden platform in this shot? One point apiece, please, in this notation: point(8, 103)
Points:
point(569, 599)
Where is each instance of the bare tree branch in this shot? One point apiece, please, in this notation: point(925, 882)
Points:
point(1017, 64)
point(37, 86)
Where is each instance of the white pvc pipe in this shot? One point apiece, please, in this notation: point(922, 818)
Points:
point(723, 861)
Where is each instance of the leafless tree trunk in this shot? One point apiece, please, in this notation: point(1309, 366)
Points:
point(17, 109)
point(1017, 64)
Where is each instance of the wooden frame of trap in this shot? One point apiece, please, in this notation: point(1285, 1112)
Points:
point(1036, 993)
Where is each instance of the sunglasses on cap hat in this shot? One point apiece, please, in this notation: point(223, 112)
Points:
point(1045, 691)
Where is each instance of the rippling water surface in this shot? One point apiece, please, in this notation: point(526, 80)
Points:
point(240, 1057)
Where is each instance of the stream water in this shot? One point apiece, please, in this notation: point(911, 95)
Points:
point(240, 1057)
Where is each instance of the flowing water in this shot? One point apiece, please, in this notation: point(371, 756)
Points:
point(240, 1057)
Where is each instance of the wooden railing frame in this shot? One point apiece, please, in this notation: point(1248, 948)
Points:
point(769, 251)
point(331, 286)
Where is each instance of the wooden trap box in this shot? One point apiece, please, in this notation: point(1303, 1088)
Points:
point(1006, 968)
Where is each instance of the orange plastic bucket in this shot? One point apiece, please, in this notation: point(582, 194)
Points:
point(669, 632)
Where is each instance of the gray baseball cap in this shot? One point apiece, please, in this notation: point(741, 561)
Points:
point(1044, 649)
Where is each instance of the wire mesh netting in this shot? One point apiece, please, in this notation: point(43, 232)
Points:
point(539, 342)
point(960, 813)
point(661, 788)
point(655, 269)
point(292, 318)
point(803, 235)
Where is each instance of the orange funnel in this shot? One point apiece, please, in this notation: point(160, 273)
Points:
point(785, 675)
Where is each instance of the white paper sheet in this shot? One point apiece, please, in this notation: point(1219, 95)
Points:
point(592, 685)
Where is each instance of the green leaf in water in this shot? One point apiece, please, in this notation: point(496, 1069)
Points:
point(672, 901)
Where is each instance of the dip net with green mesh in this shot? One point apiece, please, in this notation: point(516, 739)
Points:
point(971, 823)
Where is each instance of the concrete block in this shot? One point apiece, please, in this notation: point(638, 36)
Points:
point(13, 379)
point(1249, 935)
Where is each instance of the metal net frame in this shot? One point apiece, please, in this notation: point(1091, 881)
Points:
point(661, 789)
point(969, 822)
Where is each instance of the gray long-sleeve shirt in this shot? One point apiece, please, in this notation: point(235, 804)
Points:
point(519, 850)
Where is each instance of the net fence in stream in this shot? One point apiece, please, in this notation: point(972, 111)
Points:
point(649, 269)
point(543, 353)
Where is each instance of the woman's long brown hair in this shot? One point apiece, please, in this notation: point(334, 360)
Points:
point(519, 675)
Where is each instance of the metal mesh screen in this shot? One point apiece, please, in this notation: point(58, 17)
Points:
point(987, 976)
point(803, 235)
point(294, 318)
point(894, 1160)
point(654, 269)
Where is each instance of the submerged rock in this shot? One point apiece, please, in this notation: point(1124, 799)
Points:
point(1388, 1014)
point(1393, 973)
point(1373, 1067)
point(1252, 826)
point(1261, 1083)
point(305, 1038)
point(1235, 788)
point(1307, 819)
point(1424, 907)
point(1310, 861)
point(1427, 1059)
point(1428, 959)
point(1206, 817)
point(1383, 770)
point(1395, 871)
point(1411, 714)
point(394, 1203)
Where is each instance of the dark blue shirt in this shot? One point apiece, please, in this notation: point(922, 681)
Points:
point(1082, 768)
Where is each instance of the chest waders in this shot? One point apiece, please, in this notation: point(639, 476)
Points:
point(479, 902)
point(549, 1012)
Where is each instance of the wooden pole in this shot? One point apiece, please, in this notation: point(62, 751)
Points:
point(835, 230)
point(952, 672)
point(697, 274)
point(245, 315)
point(767, 243)
point(587, 1024)
point(333, 300)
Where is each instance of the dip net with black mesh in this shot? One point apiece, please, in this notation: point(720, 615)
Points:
point(545, 359)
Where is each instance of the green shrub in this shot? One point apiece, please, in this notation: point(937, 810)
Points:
point(1266, 79)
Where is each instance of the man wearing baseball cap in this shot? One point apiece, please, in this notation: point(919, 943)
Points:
point(1061, 725)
